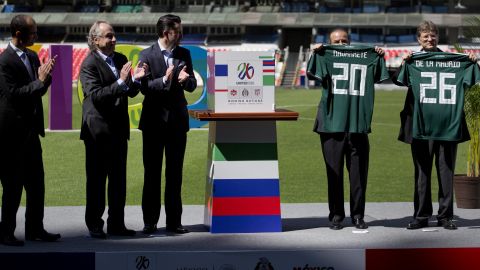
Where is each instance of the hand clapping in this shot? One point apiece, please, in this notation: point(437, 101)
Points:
point(183, 75)
point(140, 70)
point(45, 70)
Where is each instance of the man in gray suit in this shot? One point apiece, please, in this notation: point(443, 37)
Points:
point(107, 83)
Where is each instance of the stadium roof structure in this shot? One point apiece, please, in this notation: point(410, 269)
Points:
point(290, 20)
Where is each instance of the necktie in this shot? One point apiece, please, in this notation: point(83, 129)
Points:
point(26, 62)
point(109, 61)
point(167, 57)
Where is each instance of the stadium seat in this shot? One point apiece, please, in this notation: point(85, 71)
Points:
point(126, 38)
point(194, 39)
point(8, 9)
point(16, 9)
point(371, 8)
point(426, 9)
point(440, 9)
point(87, 9)
point(286, 7)
point(336, 9)
point(79, 55)
point(224, 39)
point(184, 9)
point(127, 9)
point(354, 37)
point(354, 10)
point(370, 38)
point(57, 8)
point(407, 38)
point(160, 9)
point(391, 39)
point(320, 39)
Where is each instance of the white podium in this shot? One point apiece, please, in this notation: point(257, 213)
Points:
point(242, 184)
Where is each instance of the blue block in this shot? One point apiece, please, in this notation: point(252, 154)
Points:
point(246, 188)
point(221, 70)
point(246, 224)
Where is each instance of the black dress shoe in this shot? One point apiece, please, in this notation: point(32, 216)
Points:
point(447, 223)
point(417, 224)
point(121, 232)
point(98, 233)
point(336, 225)
point(149, 228)
point(359, 223)
point(42, 235)
point(11, 240)
point(178, 229)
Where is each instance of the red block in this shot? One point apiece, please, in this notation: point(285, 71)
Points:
point(423, 258)
point(245, 206)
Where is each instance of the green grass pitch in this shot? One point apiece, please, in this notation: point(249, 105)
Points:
point(302, 170)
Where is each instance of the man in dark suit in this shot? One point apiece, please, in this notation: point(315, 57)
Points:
point(164, 123)
point(341, 147)
point(23, 82)
point(107, 83)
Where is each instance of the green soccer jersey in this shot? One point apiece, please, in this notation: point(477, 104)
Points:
point(347, 74)
point(438, 81)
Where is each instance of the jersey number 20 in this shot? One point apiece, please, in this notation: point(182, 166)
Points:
point(348, 73)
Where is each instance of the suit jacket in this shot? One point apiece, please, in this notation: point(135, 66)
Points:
point(165, 105)
point(21, 108)
point(406, 115)
point(105, 104)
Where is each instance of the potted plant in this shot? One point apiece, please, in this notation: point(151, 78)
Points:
point(467, 187)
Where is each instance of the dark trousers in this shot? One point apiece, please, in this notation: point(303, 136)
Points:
point(354, 148)
point(106, 158)
point(445, 154)
point(22, 167)
point(155, 143)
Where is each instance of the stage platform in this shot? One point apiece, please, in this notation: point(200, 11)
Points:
point(305, 230)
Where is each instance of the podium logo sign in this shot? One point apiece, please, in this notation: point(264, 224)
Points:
point(241, 82)
point(246, 70)
point(245, 73)
point(245, 94)
point(245, 85)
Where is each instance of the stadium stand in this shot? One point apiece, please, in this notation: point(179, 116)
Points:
point(57, 8)
point(289, 25)
point(194, 39)
point(127, 9)
point(87, 8)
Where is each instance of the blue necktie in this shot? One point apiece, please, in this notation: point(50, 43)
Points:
point(25, 61)
point(109, 61)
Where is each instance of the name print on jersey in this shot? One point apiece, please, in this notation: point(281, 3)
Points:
point(347, 74)
point(438, 81)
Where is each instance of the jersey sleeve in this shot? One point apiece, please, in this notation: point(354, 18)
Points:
point(402, 77)
point(471, 76)
point(381, 72)
point(315, 68)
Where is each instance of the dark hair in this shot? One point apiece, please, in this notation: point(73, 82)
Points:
point(167, 22)
point(20, 23)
